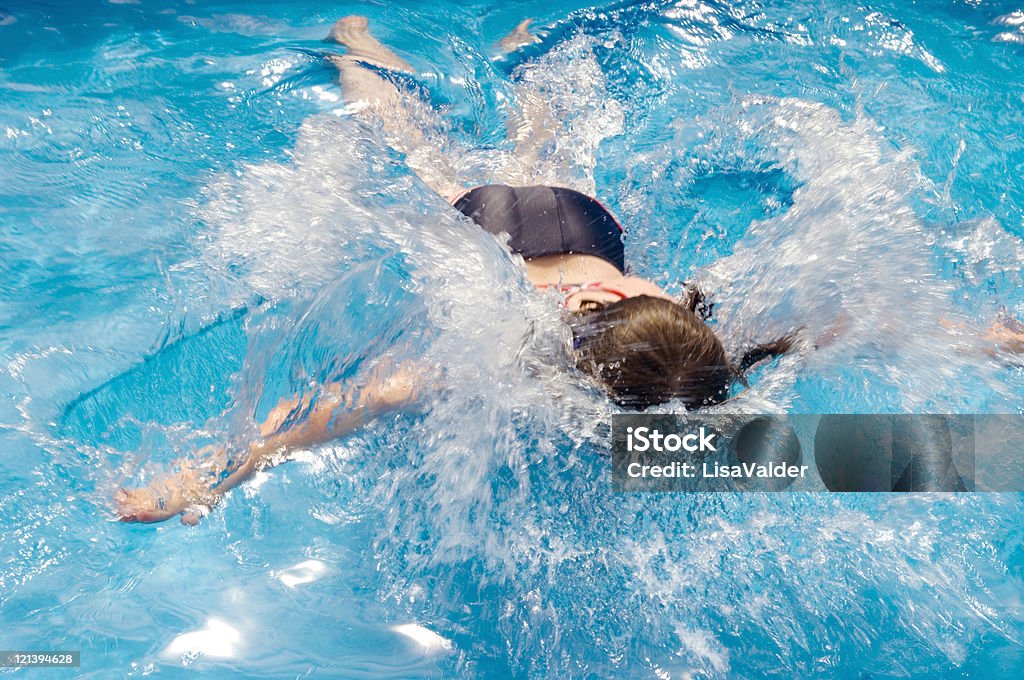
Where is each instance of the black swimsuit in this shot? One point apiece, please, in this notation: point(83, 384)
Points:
point(546, 221)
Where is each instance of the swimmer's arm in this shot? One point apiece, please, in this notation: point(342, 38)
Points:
point(1004, 336)
point(197, 483)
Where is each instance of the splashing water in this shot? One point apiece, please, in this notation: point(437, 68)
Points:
point(848, 256)
point(480, 536)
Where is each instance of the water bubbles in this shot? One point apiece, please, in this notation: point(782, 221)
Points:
point(482, 525)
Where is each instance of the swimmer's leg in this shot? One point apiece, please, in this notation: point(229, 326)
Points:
point(368, 89)
point(519, 37)
point(374, 96)
point(353, 32)
point(185, 491)
point(531, 125)
point(530, 130)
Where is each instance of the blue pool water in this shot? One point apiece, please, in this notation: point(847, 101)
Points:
point(194, 226)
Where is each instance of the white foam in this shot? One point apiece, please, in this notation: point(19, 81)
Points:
point(705, 646)
point(849, 254)
point(1015, 18)
point(895, 37)
point(561, 112)
point(302, 573)
point(429, 641)
point(217, 639)
point(1009, 37)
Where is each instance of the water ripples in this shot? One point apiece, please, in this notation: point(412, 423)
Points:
point(226, 235)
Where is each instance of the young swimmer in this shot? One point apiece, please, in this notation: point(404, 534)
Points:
point(639, 343)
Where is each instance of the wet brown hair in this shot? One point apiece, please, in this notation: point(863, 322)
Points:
point(646, 350)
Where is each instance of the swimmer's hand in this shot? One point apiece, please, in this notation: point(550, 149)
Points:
point(157, 503)
point(197, 483)
point(182, 492)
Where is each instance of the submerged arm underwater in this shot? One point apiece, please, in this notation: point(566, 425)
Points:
point(197, 483)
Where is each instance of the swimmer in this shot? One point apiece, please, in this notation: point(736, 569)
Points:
point(641, 344)
point(636, 341)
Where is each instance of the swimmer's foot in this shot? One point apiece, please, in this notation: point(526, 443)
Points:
point(519, 37)
point(353, 32)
